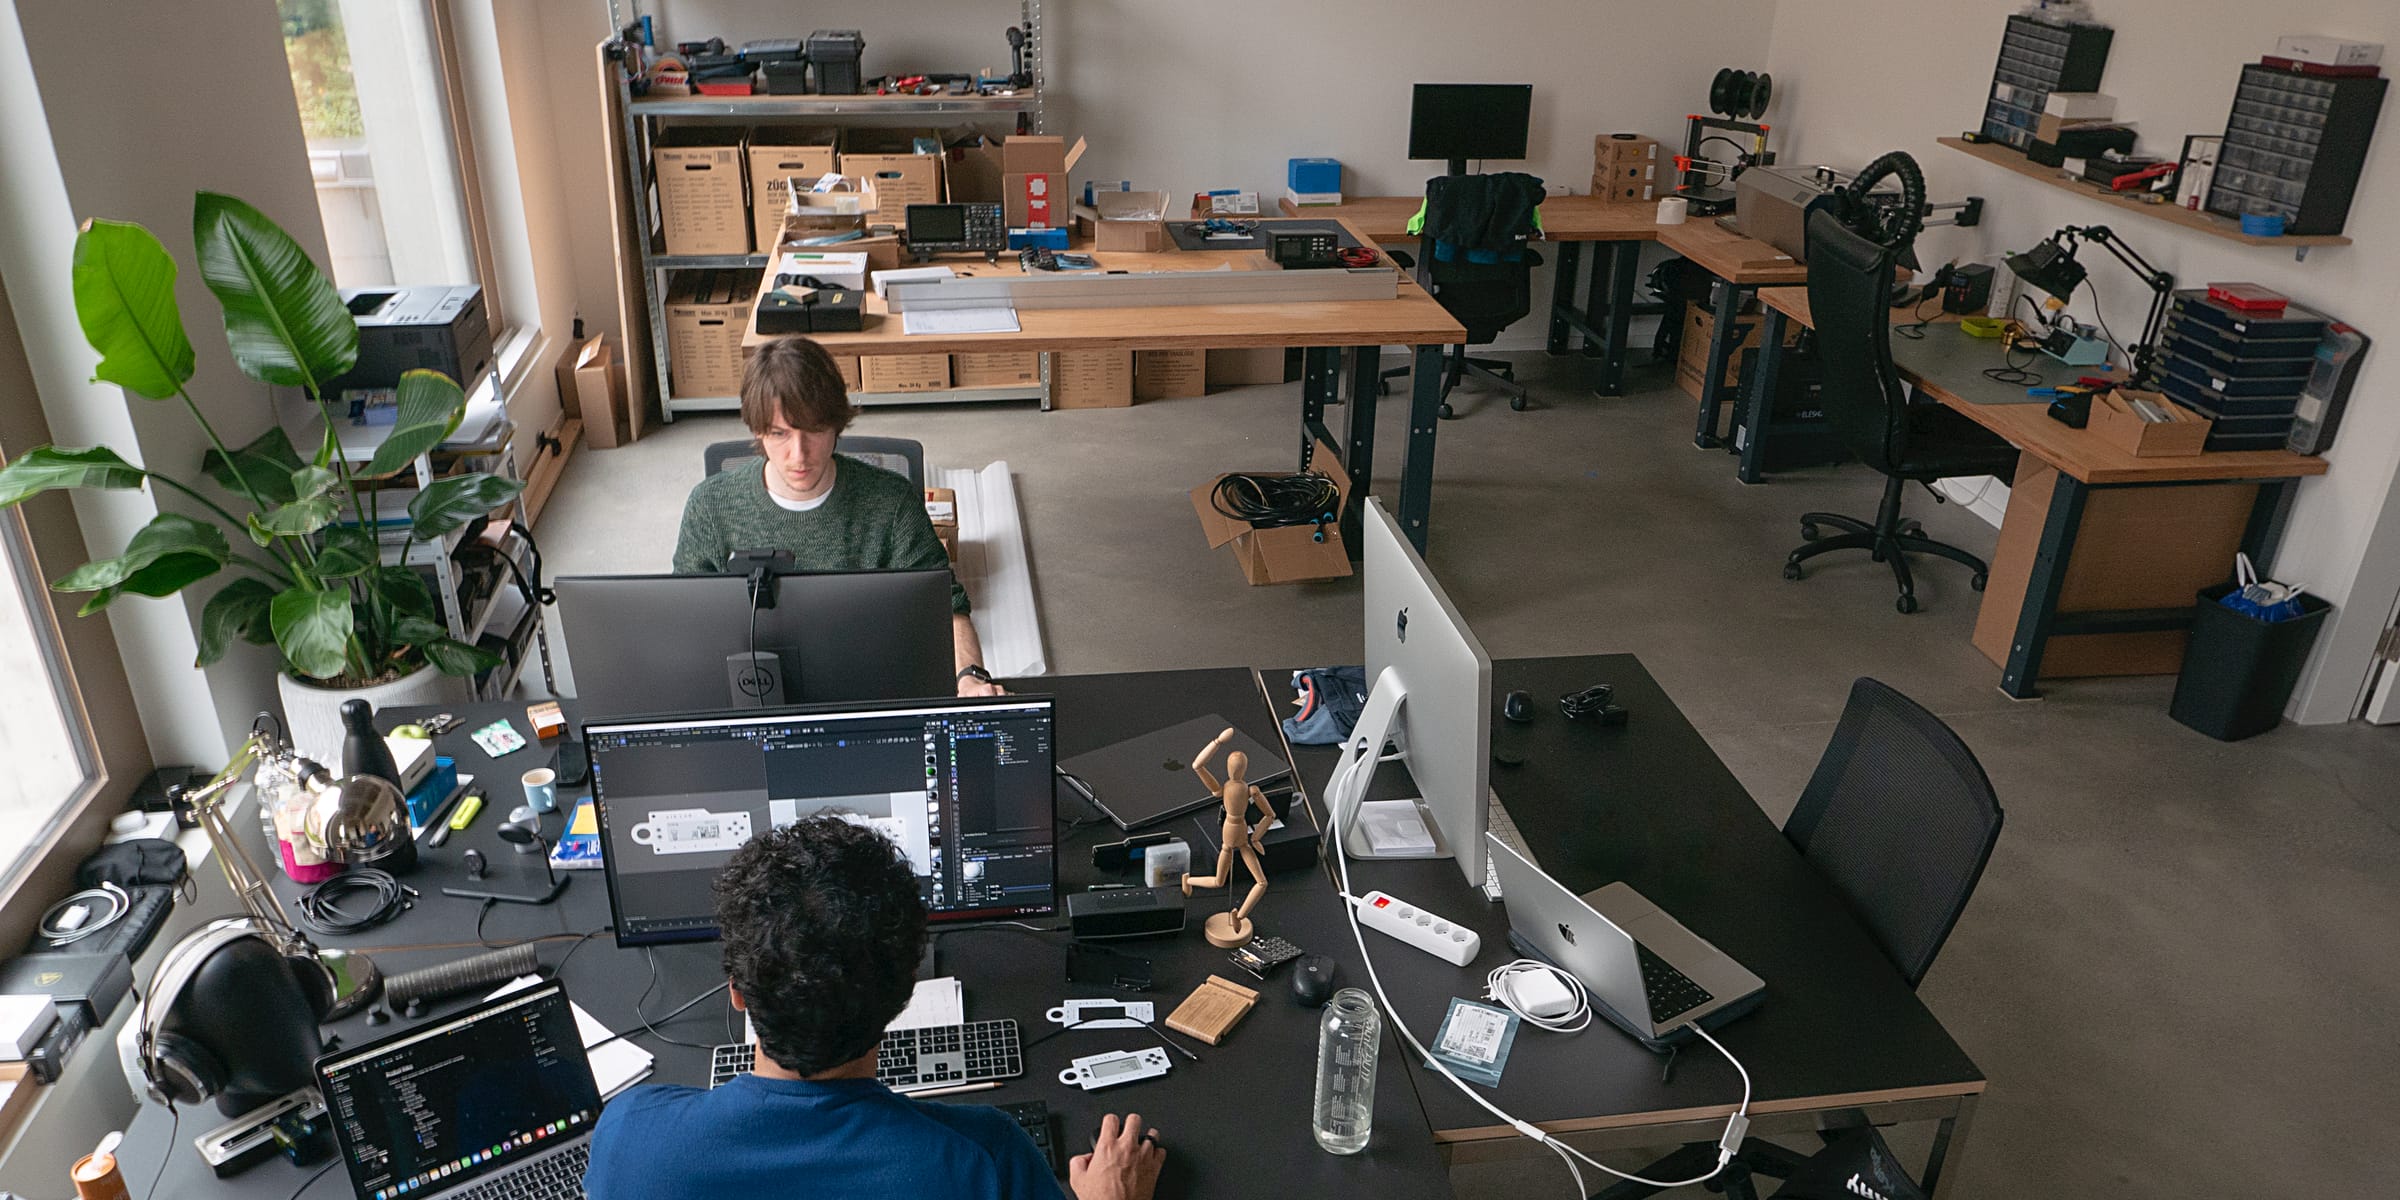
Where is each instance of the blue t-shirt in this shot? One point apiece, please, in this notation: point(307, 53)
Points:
point(779, 1137)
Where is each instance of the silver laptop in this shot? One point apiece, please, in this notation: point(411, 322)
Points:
point(1648, 975)
point(495, 1103)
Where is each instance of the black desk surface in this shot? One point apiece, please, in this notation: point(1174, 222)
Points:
point(1236, 1121)
point(1649, 803)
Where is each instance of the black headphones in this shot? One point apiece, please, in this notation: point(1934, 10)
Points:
point(163, 1065)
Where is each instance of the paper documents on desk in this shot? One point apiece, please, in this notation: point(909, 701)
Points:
point(616, 1066)
point(1000, 319)
point(936, 1002)
point(1393, 827)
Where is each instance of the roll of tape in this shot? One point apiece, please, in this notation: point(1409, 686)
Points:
point(1673, 209)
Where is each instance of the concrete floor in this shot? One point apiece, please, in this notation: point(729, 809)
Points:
point(2179, 967)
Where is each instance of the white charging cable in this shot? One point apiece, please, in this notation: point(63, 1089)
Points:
point(1736, 1126)
point(1541, 995)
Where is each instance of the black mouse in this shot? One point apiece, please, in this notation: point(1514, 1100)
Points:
point(1518, 707)
point(1312, 979)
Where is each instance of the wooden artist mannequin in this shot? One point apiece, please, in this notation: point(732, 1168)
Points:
point(1227, 930)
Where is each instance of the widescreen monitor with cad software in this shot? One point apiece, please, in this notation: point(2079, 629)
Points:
point(1430, 687)
point(1454, 122)
point(692, 643)
point(963, 786)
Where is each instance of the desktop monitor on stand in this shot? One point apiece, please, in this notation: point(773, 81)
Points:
point(1431, 695)
point(1454, 122)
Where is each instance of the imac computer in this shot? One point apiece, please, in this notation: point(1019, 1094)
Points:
point(1430, 695)
point(962, 786)
point(1454, 122)
point(691, 643)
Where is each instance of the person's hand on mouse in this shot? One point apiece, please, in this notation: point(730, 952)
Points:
point(1123, 1164)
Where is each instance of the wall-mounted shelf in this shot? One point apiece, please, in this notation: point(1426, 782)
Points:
point(760, 105)
point(2172, 214)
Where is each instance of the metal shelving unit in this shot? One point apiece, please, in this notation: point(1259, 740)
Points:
point(640, 115)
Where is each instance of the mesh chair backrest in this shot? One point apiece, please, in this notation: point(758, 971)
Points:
point(1901, 819)
point(900, 456)
point(1849, 301)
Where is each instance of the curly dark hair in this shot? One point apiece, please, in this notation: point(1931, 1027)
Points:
point(822, 927)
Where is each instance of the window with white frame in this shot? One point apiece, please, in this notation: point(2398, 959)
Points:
point(374, 105)
point(45, 761)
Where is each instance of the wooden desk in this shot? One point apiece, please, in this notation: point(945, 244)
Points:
point(1328, 332)
point(1740, 265)
point(2154, 530)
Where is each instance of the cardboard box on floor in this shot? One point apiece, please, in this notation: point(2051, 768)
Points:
point(1169, 374)
point(707, 313)
point(1691, 364)
point(941, 508)
point(1091, 379)
point(703, 204)
point(1287, 555)
point(903, 372)
point(1015, 368)
point(591, 387)
point(777, 155)
point(1249, 364)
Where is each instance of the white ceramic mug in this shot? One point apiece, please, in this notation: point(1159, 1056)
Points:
point(541, 789)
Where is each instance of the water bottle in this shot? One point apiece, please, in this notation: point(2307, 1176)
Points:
point(1346, 1043)
point(363, 750)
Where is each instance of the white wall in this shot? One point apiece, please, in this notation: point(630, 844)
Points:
point(1858, 78)
point(1186, 97)
point(134, 142)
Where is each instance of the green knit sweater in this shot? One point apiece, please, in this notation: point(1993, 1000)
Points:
point(871, 519)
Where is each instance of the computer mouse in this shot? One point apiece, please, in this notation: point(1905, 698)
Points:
point(1312, 979)
point(1518, 707)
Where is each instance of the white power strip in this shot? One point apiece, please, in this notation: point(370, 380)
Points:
point(1452, 943)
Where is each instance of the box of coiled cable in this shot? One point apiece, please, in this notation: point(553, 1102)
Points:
point(1283, 526)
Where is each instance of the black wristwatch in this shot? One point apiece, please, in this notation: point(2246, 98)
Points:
point(975, 671)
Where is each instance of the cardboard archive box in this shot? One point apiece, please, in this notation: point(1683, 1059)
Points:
point(1091, 379)
point(1169, 374)
point(1016, 368)
point(707, 312)
point(886, 164)
point(703, 205)
point(777, 155)
point(903, 372)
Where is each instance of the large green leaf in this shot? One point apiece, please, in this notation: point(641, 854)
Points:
point(125, 301)
point(239, 609)
point(397, 598)
point(446, 504)
point(310, 482)
point(348, 552)
point(265, 465)
point(170, 553)
point(286, 323)
point(46, 467)
point(427, 407)
point(297, 519)
point(313, 630)
point(452, 657)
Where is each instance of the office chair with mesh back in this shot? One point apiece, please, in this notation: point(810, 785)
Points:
point(1849, 291)
point(1900, 819)
point(1484, 275)
point(901, 456)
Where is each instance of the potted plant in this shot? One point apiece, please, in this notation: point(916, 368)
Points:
point(296, 536)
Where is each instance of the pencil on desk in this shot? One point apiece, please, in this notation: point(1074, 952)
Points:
point(951, 1091)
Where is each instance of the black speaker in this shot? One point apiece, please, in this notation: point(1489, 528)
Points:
point(1125, 913)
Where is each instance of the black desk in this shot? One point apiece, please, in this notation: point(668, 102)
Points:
point(1651, 804)
point(1235, 1122)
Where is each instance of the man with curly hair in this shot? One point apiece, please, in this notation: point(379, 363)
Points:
point(823, 928)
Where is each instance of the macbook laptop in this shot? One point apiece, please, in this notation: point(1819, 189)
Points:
point(1647, 974)
point(494, 1102)
point(1147, 779)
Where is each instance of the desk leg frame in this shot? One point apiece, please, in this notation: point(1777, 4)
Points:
point(1726, 302)
point(1758, 399)
point(1606, 317)
point(1562, 295)
point(1625, 269)
point(1948, 1139)
point(1321, 382)
point(1416, 469)
point(2039, 611)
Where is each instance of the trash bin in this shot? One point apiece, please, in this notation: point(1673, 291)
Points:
point(2238, 670)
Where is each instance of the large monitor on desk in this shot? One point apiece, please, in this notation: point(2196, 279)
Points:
point(1455, 122)
point(691, 643)
point(1430, 696)
point(962, 786)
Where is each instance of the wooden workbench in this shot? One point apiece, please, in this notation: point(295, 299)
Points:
point(2102, 552)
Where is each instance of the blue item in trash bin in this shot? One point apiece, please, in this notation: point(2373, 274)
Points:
point(1330, 701)
point(2260, 599)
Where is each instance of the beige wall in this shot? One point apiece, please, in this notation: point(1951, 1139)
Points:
point(1193, 96)
point(2172, 67)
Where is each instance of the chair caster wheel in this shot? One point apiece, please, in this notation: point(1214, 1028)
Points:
point(1448, 413)
point(1906, 604)
point(1383, 388)
point(1809, 532)
point(1791, 570)
point(1911, 528)
point(1978, 581)
point(1516, 403)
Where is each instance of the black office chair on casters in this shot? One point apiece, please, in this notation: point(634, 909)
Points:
point(1900, 818)
point(901, 456)
point(1850, 260)
point(1473, 256)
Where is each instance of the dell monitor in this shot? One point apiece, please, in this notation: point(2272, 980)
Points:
point(691, 643)
point(1454, 122)
point(962, 786)
point(1430, 694)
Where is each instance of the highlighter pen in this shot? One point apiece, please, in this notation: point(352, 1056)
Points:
point(465, 816)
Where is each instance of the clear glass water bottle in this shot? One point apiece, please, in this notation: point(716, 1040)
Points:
point(1346, 1043)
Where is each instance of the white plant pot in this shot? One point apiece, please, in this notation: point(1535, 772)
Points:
point(312, 714)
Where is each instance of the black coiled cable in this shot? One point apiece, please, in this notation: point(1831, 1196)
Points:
point(321, 907)
point(1279, 501)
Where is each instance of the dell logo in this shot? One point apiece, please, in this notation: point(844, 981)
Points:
point(1566, 931)
point(755, 682)
point(1403, 623)
point(1858, 1187)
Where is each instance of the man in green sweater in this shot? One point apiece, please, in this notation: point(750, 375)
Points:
point(832, 513)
